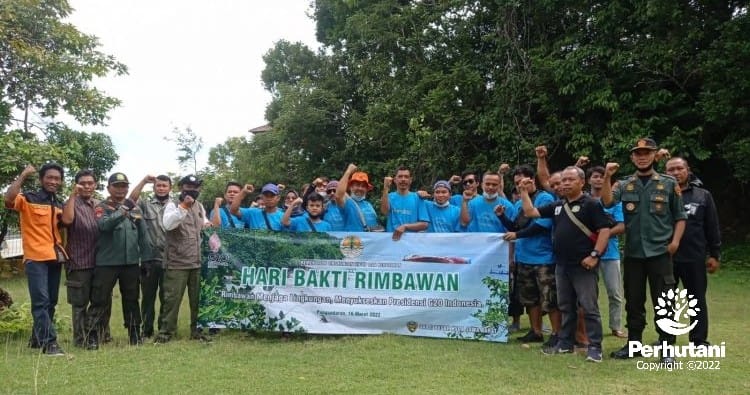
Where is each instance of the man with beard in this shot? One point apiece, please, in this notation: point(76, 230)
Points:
point(581, 235)
point(312, 222)
point(534, 260)
point(43, 253)
point(444, 217)
point(183, 223)
point(266, 218)
point(478, 215)
point(654, 224)
point(405, 210)
point(122, 244)
point(702, 238)
point(220, 215)
point(358, 213)
point(78, 215)
point(152, 269)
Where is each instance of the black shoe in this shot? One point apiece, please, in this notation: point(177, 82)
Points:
point(33, 343)
point(594, 354)
point(147, 334)
point(531, 337)
point(551, 341)
point(161, 339)
point(624, 353)
point(201, 337)
point(53, 350)
point(667, 360)
point(135, 338)
point(556, 349)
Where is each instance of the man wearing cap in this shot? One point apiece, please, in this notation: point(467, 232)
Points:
point(333, 213)
point(358, 213)
point(152, 269)
point(266, 218)
point(183, 222)
point(654, 224)
point(123, 242)
point(220, 215)
point(700, 249)
point(43, 253)
point(405, 210)
point(444, 217)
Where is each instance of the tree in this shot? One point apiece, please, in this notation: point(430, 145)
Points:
point(188, 145)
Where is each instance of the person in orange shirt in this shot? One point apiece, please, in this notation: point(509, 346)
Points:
point(43, 254)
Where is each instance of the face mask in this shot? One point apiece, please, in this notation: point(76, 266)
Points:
point(490, 196)
point(358, 198)
point(443, 205)
point(192, 194)
point(162, 198)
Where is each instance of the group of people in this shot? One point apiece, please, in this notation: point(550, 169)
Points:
point(562, 238)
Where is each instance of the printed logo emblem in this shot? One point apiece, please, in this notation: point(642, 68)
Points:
point(411, 326)
point(351, 246)
point(673, 306)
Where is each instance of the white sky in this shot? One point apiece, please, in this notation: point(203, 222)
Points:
point(191, 63)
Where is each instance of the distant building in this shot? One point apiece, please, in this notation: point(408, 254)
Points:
point(261, 129)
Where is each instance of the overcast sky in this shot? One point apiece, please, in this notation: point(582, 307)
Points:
point(191, 63)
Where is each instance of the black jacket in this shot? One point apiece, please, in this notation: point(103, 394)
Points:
point(702, 236)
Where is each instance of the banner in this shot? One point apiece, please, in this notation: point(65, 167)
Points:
point(448, 285)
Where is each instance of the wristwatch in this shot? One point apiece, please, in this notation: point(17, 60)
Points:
point(595, 254)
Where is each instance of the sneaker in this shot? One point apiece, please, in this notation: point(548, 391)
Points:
point(619, 333)
point(514, 328)
point(33, 343)
point(556, 349)
point(531, 337)
point(53, 350)
point(624, 353)
point(594, 354)
point(551, 341)
point(161, 339)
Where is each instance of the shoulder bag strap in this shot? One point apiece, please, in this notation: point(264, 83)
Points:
point(576, 221)
point(229, 215)
point(268, 223)
point(312, 225)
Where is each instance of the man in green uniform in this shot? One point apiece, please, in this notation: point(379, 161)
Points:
point(122, 243)
point(654, 224)
point(152, 270)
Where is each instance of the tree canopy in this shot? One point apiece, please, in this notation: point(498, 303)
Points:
point(443, 86)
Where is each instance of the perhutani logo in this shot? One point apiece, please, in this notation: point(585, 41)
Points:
point(673, 306)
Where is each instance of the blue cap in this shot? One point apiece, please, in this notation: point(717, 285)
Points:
point(271, 188)
point(441, 184)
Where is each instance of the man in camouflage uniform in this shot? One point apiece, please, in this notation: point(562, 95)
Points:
point(654, 224)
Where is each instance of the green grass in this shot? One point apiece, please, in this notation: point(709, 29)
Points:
point(237, 363)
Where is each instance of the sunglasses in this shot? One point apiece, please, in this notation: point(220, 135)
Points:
point(469, 182)
point(331, 191)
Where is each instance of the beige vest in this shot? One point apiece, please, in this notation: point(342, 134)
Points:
point(184, 242)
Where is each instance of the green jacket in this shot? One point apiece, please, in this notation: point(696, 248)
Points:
point(153, 210)
point(651, 212)
point(123, 238)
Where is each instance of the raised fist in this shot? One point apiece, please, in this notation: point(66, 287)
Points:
point(249, 188)
point(455, 179)
point(297, 202)
point(504, 168)
point(351, 168)
point(582, 161)
point(612, 168)
point(387, 181)
point(499, 210)
point(218, 202)
point(541, 152)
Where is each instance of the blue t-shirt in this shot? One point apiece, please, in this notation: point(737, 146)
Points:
point(613, 246)
point(334, 216)
point(458, 198)
point(253, 217)
point(300, 224)
point(352, 218)
point(443, 219)
point(225, 223)
point(537, 249)
point(483, 218)
point(405, 209)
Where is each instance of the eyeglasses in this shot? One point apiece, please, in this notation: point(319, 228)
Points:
point(331, 191)
point(469, 182)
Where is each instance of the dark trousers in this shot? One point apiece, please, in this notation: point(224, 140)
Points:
point(43, 279)
point(694, 279)
point(102, 285)
point(175, 282)
point(78, 283)
point(152, 278)
point(515, 308)
point(658, 272)
point(577, 286)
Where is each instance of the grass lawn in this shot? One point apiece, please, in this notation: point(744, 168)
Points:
point(237, 363)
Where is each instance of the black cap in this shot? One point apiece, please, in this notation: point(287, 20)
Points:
point(118, 178)
point(190, 179)
point(645, 143)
